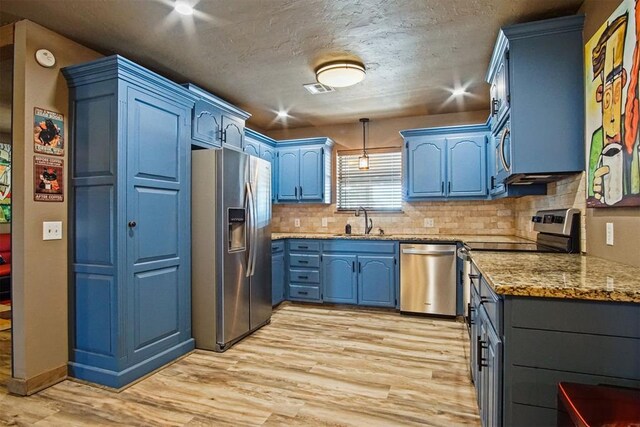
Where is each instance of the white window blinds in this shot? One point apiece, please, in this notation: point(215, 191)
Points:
point(379, 188)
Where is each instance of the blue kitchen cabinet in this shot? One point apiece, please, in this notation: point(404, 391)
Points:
point(130, 283)
point(425, 167)
point(304, 170)
point(252, 148)
point(446, 162)
point(288, 174)
point(536, 77)
point(499, 89)
point(278, 272)
point(376, 280)
point(311, 182)
point(340, 278)
point(467, 166)
point(216, 122)
point(264, 147)
point(303, 264)
point(360, 272)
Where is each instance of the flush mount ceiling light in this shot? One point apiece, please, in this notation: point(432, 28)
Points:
point(340, 73)
point(282, 114)
point(363, 161)
point(183, 8)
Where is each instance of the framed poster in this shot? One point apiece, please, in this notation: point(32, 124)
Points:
point(612, 116)
point(48, 132)
point(49, 179)
point(5, 183)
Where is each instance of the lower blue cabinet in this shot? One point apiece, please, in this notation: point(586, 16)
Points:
point(278, 273)
point(376, 281)
point(340, 278)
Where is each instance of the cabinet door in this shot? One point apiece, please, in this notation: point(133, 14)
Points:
point(339, 278)
point(156, 226)
point(277, 278)
point(376, 281)
point(493, 378)
point(288, 174)
point(425, 166)
point(311, 182)
point(252, 148)
point(467, 166)
point(206, 125)
point(269, 154)
point(233, 128)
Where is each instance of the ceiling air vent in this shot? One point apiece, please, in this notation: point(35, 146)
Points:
point(316, 88)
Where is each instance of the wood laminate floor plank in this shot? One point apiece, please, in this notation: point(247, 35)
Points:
point(312, 366)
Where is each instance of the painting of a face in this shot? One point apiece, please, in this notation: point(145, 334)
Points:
point(612, 110)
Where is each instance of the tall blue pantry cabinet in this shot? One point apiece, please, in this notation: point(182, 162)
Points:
point(130, 307)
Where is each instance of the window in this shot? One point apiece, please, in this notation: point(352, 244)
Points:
point(379, 188)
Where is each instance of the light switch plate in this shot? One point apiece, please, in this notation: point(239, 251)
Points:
point(610, 233)
point(428, 222)
point(325, 222)
point(52, 230)
point(296, 222)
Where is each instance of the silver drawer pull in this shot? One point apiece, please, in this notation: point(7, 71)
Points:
point(417, 252)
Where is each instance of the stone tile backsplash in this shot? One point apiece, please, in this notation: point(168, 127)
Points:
point(453, 217)
point(495, 217)
point(566, 193)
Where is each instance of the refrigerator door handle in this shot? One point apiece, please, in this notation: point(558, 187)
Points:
point(249, 197)
point(254, 227)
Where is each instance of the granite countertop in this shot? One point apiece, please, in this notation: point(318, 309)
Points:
point(404, 237)
point(558, 276)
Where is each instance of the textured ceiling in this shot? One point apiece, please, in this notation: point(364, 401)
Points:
point(258, 53)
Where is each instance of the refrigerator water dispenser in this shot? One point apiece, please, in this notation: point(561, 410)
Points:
point(237, 225)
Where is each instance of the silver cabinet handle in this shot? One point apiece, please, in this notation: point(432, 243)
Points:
point(417, 252)
point(505, 133)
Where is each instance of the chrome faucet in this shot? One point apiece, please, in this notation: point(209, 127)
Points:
point(368, 223)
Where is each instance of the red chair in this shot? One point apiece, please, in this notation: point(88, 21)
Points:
point(597, 405)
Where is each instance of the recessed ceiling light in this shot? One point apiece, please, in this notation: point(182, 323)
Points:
point(183, 8)
point(340, 73)
point(459, 91)
point(282, 114)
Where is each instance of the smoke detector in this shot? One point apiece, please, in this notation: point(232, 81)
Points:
point(317, 88)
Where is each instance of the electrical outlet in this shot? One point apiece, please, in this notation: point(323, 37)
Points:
point(325, 222)
point(429, 223)
point(52, 230)
point(296, 222)
point(610, 233)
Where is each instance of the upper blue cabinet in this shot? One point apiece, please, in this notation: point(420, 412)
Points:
point(304, 170)
point(537, 98)
point(216, 122)
point(446, 162)
point(258, 145)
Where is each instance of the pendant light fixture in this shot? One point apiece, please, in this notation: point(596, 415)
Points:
point(363, 161)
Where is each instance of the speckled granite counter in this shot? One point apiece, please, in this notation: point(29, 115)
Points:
point(403, 237)
point(558, 276)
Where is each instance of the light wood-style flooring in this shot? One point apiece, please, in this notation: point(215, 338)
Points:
point(312, 365)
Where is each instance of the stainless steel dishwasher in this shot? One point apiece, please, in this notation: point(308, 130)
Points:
point(428, 279)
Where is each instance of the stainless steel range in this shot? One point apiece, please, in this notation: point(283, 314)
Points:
point(558, 231)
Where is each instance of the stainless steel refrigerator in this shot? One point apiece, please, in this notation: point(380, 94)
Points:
point(231, 246)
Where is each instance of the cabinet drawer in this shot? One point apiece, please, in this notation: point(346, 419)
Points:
point(304, 260)
point(304, 292)
point(277, 246)
point(303, 246)
point(305, 276)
